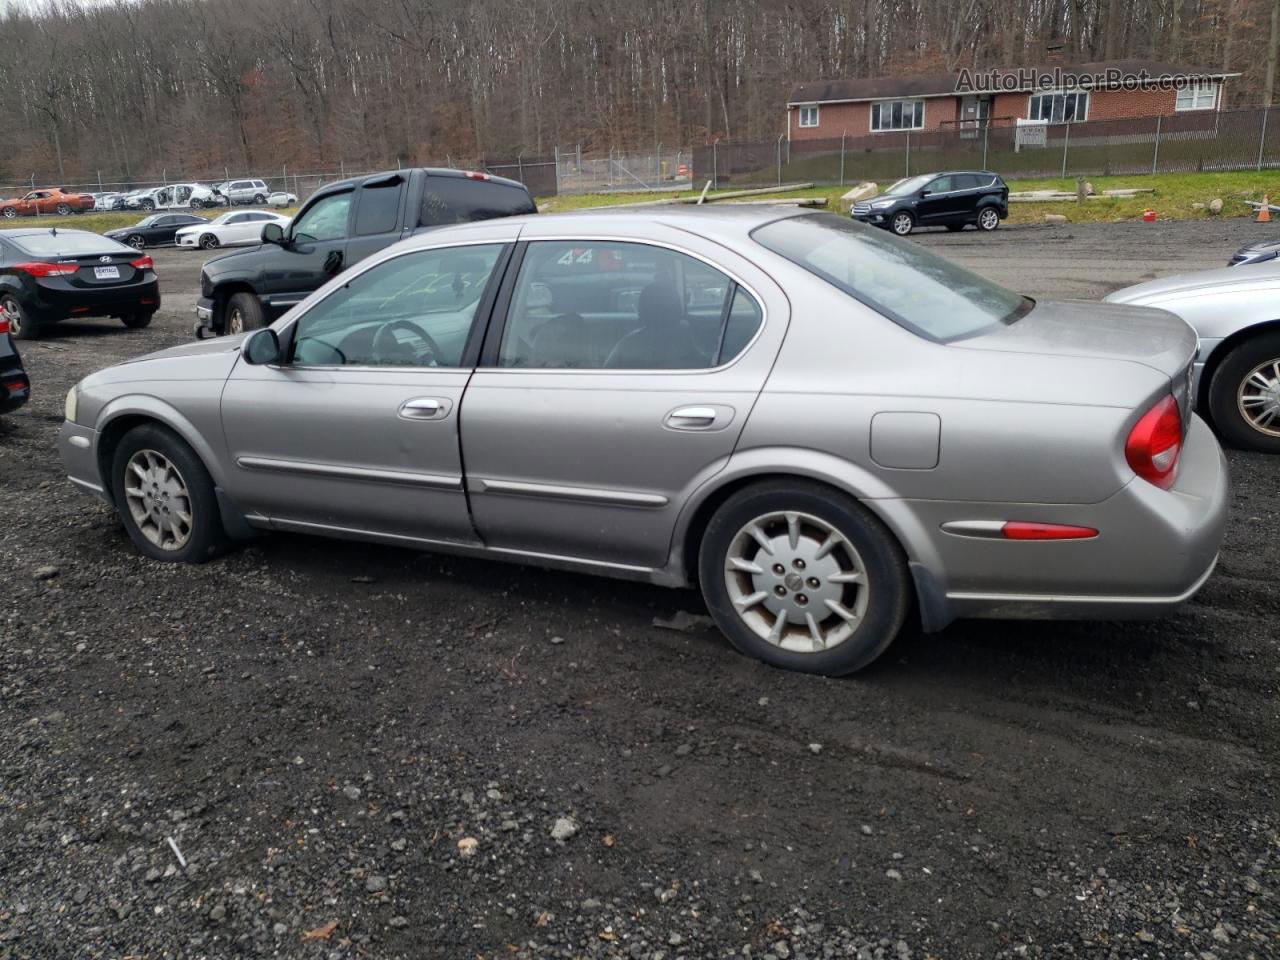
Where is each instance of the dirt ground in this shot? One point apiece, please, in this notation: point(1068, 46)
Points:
point(323, 728)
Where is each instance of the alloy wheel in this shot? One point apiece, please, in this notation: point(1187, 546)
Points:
point(235, 321)
point(208, 241)
point(902, 224)
point(12, 311)
point(158, 500)
point(988, 219)
point(10, 212)
point(137, 242)
point(1258, 398)
point(796, 581)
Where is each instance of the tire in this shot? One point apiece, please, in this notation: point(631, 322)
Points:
point(209, 242)
point(136, 321)
point(147, 205)
point(153, 513)
point(10, 212)
point(196, 203)
point(63, 210)
point(244, 313)
point(137, 241)
point(955, 227)
point(21, 326)
point(988, 218)
point(1239, 379)
point(877, 603)
point(902, 223)
point(259, 199)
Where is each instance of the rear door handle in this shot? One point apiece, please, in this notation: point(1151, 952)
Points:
point(692, 418)
point(424, 408)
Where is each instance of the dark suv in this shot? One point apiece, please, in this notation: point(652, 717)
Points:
point(341, 224)
point(952, 200)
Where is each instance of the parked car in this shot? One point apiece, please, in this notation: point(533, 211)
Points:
point(174, 196)
point(1258, 252)
point(50, 275)
point(234, 228)
point(49, 200)
point(819, 424)
point(341, 224)
point(155, 230)
point(15, 387)
point(108, 201)
point(953, 200)
point(282, 198)
point(1237, 371)
point(239, 192)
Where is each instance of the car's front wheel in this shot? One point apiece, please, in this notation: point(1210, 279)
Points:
point(196, 203)
point(21, 326)
point(803, 577)
point(988, 218)
point(208, 241)
point(244, 313)
point(1244, 395)
point(137, 241)
point(165, 496)
point(10, 212)
point(902, 223)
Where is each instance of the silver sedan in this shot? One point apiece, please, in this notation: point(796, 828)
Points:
point(1233, 310)
point(824, 427)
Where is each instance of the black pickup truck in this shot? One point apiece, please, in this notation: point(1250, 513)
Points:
point(341, 224)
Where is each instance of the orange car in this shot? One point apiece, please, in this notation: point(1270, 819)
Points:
point(49, 200)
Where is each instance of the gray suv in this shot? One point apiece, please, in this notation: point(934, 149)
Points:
point(245, 192)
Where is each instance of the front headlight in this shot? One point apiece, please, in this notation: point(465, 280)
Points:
point(69, 408)
point(881, 204)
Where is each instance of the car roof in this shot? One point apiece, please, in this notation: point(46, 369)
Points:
point(429, 171)
point(37, 231)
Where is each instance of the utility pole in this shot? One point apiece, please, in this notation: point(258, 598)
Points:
point(1269, 85)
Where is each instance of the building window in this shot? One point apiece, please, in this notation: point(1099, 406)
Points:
point(897, 115)
point(1059, 107)
point(809, 116)
point(1199, 96)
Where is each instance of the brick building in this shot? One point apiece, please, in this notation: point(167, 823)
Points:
point(1053, 93)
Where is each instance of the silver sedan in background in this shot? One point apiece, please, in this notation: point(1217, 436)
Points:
point(1236, 313)
point(822, 426)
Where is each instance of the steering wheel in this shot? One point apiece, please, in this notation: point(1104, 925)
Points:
point(386, 345)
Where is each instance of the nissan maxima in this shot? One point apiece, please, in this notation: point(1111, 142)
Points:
point(50, 275)
point(825, 428)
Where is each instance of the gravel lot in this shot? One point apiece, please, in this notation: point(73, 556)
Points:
point(367, 752)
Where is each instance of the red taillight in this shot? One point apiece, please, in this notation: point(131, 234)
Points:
point(1018, 530)
point(143, 263)
point(1155, 442)
point(476, 175)
point(38, 269)
point(13, 386)
point(4, 323)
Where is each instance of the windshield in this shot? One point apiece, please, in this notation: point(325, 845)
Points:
point(68, 243)
point(146, 221)
point(909, 185)
point(914, 288)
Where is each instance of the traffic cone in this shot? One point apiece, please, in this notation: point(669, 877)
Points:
point(1264, 211)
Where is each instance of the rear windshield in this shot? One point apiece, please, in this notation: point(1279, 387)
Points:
point(914, 288)
point(461, 200)
point(67, 243)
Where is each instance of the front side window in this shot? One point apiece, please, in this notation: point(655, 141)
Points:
point(942, 185)
point(809, 116)
point(415, 310)
point(594, 305)
point(1059, 107)
point(901, 280)
point(1199, 96)
point(897, 115)
point(326, 219)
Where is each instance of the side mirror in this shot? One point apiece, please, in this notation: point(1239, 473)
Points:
point(261, 347)
point(925, 193)
point(273, 233)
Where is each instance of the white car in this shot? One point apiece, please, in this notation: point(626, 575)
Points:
point(282, 198)
point(229, 230)
point(173, 196)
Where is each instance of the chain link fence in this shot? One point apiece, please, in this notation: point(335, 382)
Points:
point(1181, 142)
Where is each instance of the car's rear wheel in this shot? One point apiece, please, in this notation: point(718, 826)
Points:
point(136, 321)
point(902, 223)
point(137, 241)
point(165, 496)
point(955, 227)
point(21, 326)
point(1244, 395)
point(988, 218)
point(63, 209)
point(244, 313)
point(208, 241)
point(803, 577)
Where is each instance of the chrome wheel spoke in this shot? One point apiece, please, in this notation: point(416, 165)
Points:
point(747, 602)
point(746, 566)
point(158, 500)
point(841, 611)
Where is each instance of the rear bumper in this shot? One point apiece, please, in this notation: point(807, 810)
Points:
point(58, 303)
point(15, 387)
point(1154, 550)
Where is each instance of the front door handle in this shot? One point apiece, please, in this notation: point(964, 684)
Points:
point(424, 408)
point(692, 418)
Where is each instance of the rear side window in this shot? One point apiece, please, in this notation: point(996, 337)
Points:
point(462, 200)
point(378, 206)
point(964, 181)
